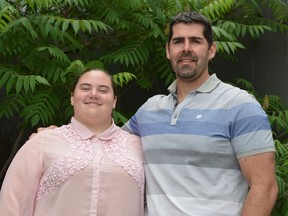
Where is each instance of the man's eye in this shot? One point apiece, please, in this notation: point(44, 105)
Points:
point(177, 41)
point(196, 41)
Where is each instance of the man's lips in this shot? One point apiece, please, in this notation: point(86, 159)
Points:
point(187, 60)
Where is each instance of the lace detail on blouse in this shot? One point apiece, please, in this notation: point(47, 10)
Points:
point(81, 153)
point(77, 158)
point(116, 151)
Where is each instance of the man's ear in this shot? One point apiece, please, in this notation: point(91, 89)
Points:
point(212, 51)
point(167, 51)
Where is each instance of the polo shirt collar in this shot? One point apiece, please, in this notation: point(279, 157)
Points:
point(208, 86)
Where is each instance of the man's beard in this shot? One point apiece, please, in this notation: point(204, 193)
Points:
point(186, 72)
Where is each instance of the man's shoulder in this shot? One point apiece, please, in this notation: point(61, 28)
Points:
point(235, 93)
point(159, 98)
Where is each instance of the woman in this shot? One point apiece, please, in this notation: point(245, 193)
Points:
point(88, 167)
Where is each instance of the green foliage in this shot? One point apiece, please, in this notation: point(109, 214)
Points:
point(281, 207)
point(218, 8)
point(19, 82)
point(133, 54)
point(123, 78)
point(53, 41)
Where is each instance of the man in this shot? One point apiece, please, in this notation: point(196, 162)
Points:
point(208, 148)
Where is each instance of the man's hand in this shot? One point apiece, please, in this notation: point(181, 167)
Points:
point(41, 129)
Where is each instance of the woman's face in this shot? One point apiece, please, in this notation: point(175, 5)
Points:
point(93, 97)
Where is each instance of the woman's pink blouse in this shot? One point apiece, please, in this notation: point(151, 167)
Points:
point(68, 171)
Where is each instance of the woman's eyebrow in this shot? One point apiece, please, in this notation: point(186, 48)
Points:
point(85, 84)
point(104, 86)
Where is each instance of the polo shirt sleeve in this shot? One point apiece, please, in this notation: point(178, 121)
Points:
point(249, 127)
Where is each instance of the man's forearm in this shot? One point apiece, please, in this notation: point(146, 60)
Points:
point(260, 201)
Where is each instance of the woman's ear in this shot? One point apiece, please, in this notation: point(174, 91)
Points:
point(115, 102)
point(72, 99)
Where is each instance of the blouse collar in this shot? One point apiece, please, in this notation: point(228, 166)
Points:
point(85, 133)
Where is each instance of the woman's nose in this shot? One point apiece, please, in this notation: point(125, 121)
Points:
point(94, 93)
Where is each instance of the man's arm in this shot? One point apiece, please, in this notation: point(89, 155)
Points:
point(42, 129)
point(259, 171)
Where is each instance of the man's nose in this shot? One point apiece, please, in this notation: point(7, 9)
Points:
point(187, 46)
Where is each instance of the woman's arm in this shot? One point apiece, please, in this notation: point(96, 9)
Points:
point(20, 184)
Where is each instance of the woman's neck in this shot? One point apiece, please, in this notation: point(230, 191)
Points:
point(96, 125)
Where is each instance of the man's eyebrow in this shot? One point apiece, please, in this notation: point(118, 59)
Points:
point(178, 38)
point(192, 37)
point(196, 37)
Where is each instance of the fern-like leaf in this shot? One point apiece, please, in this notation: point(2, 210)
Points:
point(12, 104)
point(56, 53)
point(76, 67)
point(95, 64)
point(132, 54)
point(119, 119)
point(7, 15)
point(148, 23)
point(41, 108)
point(123, 78)
point(223, 34)
point(228, 47)
point(17, 25)
point(217, 8)
point(51, 23)
point(163, 68)
point(11, 78)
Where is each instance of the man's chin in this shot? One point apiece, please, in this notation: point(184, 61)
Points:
point(186, 75)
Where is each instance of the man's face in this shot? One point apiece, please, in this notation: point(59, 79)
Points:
point(189, 52)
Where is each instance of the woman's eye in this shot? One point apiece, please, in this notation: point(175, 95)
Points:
point(85, 88)
point(103, 90)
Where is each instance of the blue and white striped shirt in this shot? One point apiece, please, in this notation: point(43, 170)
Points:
point(191, 150)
